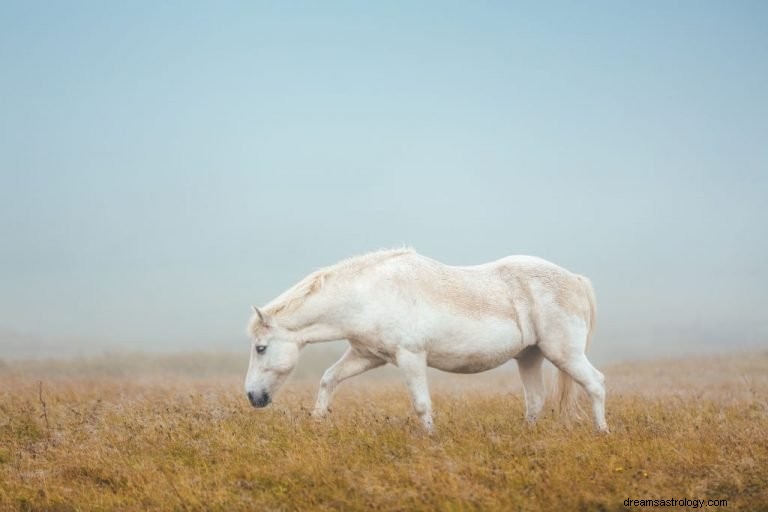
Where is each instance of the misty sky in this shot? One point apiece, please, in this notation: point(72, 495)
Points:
point(165, 165)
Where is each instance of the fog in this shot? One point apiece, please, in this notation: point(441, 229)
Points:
point(162, 168)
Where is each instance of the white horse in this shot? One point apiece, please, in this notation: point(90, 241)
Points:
point(402, 308)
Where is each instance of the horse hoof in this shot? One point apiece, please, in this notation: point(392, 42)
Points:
point(319, 414)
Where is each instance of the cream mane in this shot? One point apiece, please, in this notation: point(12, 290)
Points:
point(314, 282)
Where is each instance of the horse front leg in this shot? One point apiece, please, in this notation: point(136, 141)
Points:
point(351, 363)
point(414, 366)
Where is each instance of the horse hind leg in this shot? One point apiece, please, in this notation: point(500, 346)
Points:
point(572, 361)
point(529, 364)
point(581, 370)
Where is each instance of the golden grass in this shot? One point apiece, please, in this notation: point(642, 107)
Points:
point(184, 443)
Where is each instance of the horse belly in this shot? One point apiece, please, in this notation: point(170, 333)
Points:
point(475, 348)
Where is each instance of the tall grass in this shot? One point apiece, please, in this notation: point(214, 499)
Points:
point(99, 442)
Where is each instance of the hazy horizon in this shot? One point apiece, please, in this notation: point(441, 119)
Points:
point(163, 167)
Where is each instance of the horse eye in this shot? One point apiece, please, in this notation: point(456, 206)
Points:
point(260, 349)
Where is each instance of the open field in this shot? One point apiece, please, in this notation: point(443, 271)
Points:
point(102, 439)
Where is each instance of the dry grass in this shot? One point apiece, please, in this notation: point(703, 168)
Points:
point(138, 443)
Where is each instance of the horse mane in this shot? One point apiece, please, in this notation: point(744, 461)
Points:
point(292, 298)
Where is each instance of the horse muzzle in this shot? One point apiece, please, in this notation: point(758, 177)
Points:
point(259, 400)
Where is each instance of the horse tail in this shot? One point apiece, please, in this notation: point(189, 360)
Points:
point(565, 391)
point(586, 284)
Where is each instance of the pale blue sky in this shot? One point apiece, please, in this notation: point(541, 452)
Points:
point(164, 165)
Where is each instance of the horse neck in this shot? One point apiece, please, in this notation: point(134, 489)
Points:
point(312, 322)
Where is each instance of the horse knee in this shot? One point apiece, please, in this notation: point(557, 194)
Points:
point(421, 407)
point(600, 377)
point(601, 381)
point(327, 381)
point(596, 389)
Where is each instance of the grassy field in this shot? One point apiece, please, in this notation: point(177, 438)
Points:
point(81, 436)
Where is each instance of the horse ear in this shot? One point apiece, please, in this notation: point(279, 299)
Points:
point(262, 318)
